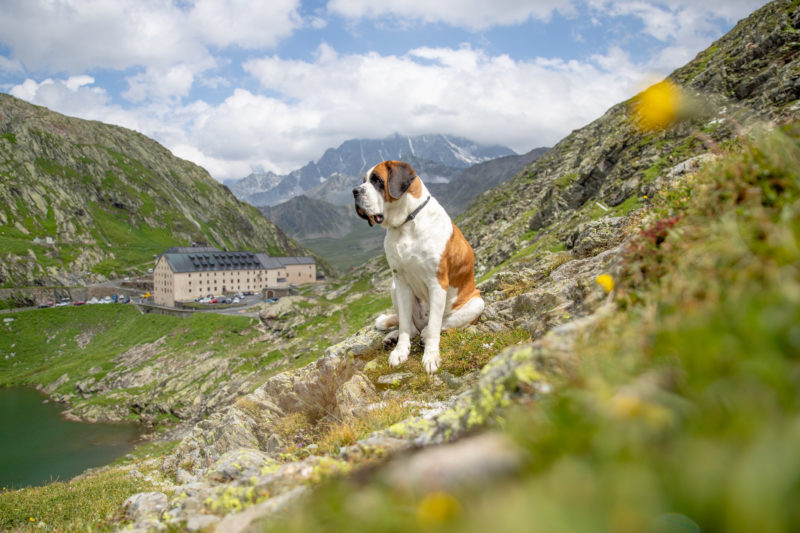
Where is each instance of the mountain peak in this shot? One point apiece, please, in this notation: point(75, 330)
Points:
point(437, 156)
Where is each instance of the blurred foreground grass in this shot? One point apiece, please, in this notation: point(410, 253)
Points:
point(683, 413)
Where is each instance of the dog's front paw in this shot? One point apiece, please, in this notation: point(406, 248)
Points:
point(398, 356)
point(431, 361)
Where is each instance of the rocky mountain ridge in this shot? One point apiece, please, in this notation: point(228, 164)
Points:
point(437, 157)
point(84, 201)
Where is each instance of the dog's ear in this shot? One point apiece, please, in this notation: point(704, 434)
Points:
point(399, 179)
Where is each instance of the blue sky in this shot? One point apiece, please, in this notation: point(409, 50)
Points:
point(237, 85)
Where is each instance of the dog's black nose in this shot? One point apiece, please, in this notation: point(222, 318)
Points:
point(356, 192)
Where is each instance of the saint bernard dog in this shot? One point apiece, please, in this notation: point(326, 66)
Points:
point(433, 278)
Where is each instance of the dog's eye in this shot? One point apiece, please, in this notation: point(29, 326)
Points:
point(376, 180)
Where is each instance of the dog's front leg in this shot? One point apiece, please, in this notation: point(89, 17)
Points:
point(437, 297)
point(403, 302)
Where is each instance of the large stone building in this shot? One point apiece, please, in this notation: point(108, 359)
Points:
point(186, 273)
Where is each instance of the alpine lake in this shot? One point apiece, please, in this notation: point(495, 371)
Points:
point(38, 445)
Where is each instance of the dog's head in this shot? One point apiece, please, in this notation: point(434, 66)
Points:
point(385, 184)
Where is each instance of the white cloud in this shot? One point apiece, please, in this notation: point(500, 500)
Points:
point(472, 14)
point(335, 97)
point(159, 85)
point(248, 129)
point(661, 18)
point(243, 22)
point(76, 82)
point(462, 91)
point(72, 96)
point(77, 35)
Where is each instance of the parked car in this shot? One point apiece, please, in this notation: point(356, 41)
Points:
point(213, 301)
point(248, 293)
point(107, 300)
point(80, 302)
point(45, 304)
point(124, 300)
point(62, 303)
point(270, 300)
point(93, 301)
point(236, 300)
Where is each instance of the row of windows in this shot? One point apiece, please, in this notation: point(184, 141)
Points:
point(208, 274)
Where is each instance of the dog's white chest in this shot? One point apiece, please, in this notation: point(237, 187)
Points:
point(414, 254)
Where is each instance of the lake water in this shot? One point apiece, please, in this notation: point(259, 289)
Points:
point(38, 445)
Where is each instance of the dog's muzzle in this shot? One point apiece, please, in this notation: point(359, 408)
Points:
point(372, 219)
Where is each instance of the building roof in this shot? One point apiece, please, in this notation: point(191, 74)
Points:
point(304, 260)
point(269, 262)
point(212, 261)
point(202, 260)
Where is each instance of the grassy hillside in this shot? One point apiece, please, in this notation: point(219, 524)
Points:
point(677, 408)
point(680, 409)
point(120, 364)
point(82, 199)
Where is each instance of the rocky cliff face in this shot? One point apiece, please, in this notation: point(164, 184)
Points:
point(82, 201)
point(610, 168)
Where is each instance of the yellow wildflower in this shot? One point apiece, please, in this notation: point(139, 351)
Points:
point(605, 281)
point(437, 508)
point(31, 519)
point(658, 106)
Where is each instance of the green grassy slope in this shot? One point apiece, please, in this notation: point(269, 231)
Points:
point(683, 411)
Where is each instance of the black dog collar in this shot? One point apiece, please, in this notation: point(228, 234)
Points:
point(412, 215)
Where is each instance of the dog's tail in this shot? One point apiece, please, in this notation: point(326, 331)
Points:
point(386, 322)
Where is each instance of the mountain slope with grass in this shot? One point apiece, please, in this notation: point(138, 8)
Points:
point(307, 218)
point(611, 168)
point(635, 368)
point(82, 200)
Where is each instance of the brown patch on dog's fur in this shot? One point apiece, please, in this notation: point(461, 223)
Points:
point(415, 189)
point(388, 170)
point(382, 171)
point(457, 268)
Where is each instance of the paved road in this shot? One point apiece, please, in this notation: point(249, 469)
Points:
point(245, 308)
